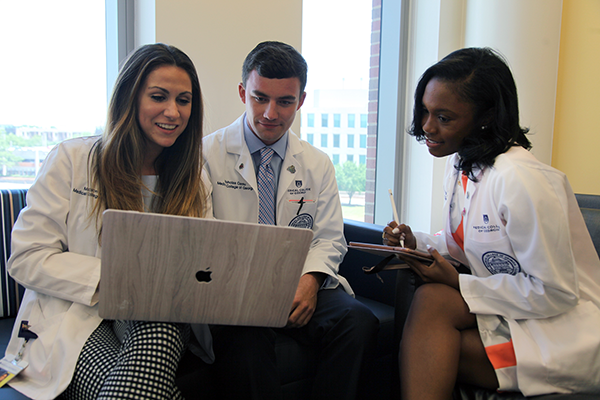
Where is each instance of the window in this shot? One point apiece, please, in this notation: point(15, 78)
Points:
point(362, 159)
point(310, 120)
point(363, 141)
point(323, 140)
point(336, 140)
point(350, 141)
point(57, 85)
point(351, 118)
point(310, 138)
point(344, 81)
point(363, 120)
point(336, 159)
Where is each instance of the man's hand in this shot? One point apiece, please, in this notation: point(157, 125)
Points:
point(305, 300)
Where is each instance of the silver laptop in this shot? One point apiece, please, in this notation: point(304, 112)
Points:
point(158, 267)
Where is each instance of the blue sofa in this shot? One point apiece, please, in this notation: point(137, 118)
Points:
point(388, 296)
point(296, 362)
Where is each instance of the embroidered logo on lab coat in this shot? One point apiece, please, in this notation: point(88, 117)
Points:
point(500, 263)
point(302, 221)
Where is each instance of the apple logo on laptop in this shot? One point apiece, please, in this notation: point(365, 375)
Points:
point(204, 276)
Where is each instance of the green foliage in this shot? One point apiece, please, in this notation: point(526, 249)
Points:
point(6, 156)
point(351, 178)
point(8, 141)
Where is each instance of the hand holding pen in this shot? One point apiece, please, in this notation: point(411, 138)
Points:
point(396, 234)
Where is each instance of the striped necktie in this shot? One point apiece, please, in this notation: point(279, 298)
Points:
point(266, 188)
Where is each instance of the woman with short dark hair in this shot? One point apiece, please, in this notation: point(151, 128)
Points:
point(521, 320)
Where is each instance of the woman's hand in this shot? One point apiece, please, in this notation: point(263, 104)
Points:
point(393, 233)
point(440, 271)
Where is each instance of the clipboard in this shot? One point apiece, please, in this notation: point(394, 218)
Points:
point(393, 256)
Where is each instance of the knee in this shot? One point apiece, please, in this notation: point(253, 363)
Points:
point(440, 303)
point(360, 320)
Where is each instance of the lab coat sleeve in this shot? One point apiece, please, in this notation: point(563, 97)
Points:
point(436, 241)
point(534, 203)
point(328, 246)
point(41, 260)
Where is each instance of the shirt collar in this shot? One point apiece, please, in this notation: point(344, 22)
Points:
point(255, 144)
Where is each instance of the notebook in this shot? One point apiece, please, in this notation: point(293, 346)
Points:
point(158, 267)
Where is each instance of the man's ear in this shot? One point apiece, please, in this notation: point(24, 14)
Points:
point(301, 101)
point(242, 92)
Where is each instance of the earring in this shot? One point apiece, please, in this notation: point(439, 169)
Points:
point(483, 127)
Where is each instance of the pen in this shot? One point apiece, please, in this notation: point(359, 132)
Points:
point(395, 230)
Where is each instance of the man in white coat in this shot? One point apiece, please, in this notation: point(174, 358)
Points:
point(324, 312)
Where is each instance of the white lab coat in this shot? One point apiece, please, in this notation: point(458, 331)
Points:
point(306, 173)
point(56, 257)
point(533, 264)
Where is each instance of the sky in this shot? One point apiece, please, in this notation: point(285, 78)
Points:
point(336, 43)
point(55, 73)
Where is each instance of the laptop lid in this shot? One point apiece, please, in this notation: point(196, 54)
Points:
point(158, 267)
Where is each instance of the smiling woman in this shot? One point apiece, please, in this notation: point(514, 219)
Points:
point(154, 123)
point(447, 119)
point(165, 105)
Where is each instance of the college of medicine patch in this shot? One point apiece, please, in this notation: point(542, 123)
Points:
point(302, 221)
point(500, 263)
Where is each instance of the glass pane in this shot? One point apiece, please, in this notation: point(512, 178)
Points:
point(340, 41)
point(55, 56)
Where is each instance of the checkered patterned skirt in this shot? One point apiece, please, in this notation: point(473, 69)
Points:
point(129, 360)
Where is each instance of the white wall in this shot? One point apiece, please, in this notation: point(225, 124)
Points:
point(527, 32)
point(217, 35)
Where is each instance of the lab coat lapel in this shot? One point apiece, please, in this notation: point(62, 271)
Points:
point(236, 145)
point(290, 167)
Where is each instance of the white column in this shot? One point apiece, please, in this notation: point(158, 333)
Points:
point(527, 33)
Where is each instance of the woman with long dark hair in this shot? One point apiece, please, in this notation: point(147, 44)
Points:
point(148, 159)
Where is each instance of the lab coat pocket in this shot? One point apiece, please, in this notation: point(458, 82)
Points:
point(300, 213)
point(47, 315)
point(569, 347)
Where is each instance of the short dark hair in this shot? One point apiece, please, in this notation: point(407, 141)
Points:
point(483, 79)
point(275, 60)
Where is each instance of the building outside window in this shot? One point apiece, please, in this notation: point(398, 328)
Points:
point(363, 120)
point(350, 141)
point(354, 25)
point(363, 141)
point(310, 138)
point(362, 160)
point(323, 140)
point(310, 120)
point(336, 120)
point(336, 140)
